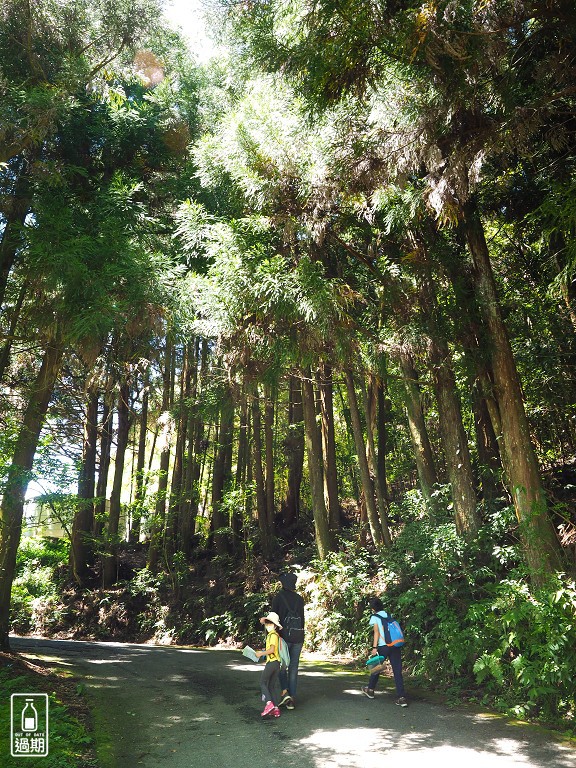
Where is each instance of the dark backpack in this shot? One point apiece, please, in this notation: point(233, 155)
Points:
point(393, 635)
point(292, 627)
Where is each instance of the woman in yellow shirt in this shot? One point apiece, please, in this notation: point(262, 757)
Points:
point(269, 684)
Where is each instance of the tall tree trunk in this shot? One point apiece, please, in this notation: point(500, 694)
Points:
point(248, 499)
point(370, 411)
point(417, 424)
point(539, 538)
point(157, 527)
point(195, 433)
point(177, 501)
point(329, 446)
point(81, 550)
point(103, 469)
point(222, 473)
point(324, 539)
point(365, 479)
point(136, 526)
point(269, 452)
point(454, 438)
point(353, 474)
point(382, 414)
point(454, 441)
point(110, 558)
point(490, 467)
point(12, 508)
point(294, 451)
point(15, 215)
point(479, 377)
point(15, 317)
point(237, 521)
point(266, 536)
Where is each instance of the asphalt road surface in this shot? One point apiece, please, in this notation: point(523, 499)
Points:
point(165, 707)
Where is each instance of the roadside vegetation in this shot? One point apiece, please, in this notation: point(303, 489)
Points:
point(70, 731)
point(309, 305)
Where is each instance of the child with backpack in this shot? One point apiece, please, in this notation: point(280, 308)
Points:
point(269, 683)
point(381, 646)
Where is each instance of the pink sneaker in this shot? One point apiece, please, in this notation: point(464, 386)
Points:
point(275, 712)
point(268, 709)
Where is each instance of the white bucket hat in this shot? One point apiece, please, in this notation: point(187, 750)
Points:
point(273, 618)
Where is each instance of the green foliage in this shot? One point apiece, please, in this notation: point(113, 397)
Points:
point(36, 584)
point(525, 646)
point(69, 739)
point(224, 626)
point(42, 552)
point(337, 589)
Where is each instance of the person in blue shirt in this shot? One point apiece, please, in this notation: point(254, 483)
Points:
point(379, 648)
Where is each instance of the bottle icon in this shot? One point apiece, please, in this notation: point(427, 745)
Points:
point(29, 717)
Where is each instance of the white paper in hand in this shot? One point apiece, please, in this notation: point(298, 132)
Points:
point(250, 654)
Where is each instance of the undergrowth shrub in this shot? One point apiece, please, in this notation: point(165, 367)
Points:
point(36, 583)
point(526, 649)
point(336, 589)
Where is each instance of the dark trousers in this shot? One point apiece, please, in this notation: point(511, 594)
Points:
point(289, 677)
point(395, 657)
point(269, 682)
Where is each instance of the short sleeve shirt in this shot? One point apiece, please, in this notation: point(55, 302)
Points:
point(374, 619)
point(272, 639)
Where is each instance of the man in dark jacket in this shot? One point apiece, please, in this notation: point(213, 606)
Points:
point(289, 606)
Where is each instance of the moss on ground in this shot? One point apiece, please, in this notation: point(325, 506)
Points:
point(70, 733)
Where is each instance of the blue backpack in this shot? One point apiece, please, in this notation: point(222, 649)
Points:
point(393, 635)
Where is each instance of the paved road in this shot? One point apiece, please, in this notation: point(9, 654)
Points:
point(164, 707)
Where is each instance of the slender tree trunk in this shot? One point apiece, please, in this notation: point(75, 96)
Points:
point(269, 452)
point(12, 508)
point(103, 469)
point(81, 550)
point(479, 377)
point(266, 536)
point(454, 441)
point(15, 215)
point(454, 438)
point(369, 409)
point(222, 473)
point(324, 540)
point(490, 467)
point(248, 500)
point(15, 317)
point(351, 448)
point(417, 424)
point(136, 527)
point(294, 452)
point(195, 434)
point(538, 535)
point(177, 485)
point(329, 446)
point(242, 462)
point(382, 412)
point(110, 559)
point(157, 528)
point(365, 479)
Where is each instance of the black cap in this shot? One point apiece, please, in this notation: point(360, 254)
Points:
point(288, 580)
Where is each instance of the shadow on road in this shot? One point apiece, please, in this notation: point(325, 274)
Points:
point(198, 708)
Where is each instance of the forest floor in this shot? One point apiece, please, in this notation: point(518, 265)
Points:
point(185, 707)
